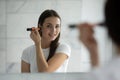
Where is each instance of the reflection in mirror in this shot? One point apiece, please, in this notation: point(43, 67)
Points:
point(47, 54)
point(24, 14)
point(17, 16)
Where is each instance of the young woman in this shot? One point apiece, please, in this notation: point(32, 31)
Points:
point(110, 71)
point(48, 54)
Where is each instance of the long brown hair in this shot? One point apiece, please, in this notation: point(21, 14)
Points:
point(54, 44)
point(112, 20)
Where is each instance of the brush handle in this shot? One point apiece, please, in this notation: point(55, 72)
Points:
point(32, 29)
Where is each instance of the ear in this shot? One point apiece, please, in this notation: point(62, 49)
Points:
point(40, 31)
point(39, 26)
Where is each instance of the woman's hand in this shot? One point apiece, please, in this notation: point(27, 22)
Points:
point(35, 36)
point(86, 36)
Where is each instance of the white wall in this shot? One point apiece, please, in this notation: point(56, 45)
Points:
point(17, 15)
point(2, 36)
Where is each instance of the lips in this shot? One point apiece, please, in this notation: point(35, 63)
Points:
point(53, 36)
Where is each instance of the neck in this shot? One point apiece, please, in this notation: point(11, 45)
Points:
point(45, 43)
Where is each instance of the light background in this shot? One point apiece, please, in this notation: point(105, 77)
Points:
point(17, 15)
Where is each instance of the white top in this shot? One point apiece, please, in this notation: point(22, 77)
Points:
point(29, 56)
point(110, 71)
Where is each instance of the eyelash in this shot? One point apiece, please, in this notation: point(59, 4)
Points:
point(51, 26)
point(48, 26)
point(57, 26)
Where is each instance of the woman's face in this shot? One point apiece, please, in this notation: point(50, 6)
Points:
point(51, 28)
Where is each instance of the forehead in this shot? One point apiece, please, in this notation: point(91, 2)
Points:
point(52, 20)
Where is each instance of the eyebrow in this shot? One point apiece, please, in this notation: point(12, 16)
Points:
point(51, 24)
point(48, 23)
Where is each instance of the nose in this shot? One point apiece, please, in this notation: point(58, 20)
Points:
point(53, 30)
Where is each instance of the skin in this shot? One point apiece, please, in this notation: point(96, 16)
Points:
point(50, 30)
point(86, 36)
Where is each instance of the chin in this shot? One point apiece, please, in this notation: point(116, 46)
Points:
point(52, 39)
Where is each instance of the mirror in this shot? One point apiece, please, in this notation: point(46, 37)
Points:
point(17, 15)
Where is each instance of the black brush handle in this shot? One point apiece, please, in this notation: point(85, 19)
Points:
point(72, 26)
point(29, 29)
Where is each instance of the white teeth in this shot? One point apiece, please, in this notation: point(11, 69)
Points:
point(52, 35)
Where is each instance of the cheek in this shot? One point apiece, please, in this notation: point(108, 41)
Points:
point(58, 31)
point(45, 32)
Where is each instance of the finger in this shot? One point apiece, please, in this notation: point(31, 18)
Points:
point(83, 25)
point(86, 35)
point(33, 28)
point(86, 32)
point(31, 34)
point(37, 31)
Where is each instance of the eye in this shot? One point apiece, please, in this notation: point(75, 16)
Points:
point(57, 26)
point(49, 26)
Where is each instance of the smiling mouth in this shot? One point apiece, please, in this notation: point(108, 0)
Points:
point(52, 35)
